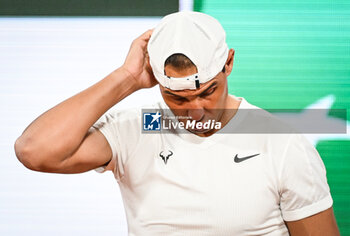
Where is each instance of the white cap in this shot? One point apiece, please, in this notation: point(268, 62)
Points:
point(198, 36)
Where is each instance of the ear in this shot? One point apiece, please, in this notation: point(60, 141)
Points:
point(229, 62)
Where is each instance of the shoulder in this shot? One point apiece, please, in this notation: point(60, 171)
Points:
point(259, 120)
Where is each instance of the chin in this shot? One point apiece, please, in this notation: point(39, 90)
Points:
point(200, 131)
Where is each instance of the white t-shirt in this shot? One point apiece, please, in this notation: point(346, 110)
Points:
point(201, 189)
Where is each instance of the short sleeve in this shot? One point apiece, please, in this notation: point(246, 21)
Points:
point(122, 132)
point(304, 190)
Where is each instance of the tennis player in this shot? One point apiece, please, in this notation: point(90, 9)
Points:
point(198, 180)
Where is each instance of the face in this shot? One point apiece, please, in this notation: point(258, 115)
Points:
point(208, 102)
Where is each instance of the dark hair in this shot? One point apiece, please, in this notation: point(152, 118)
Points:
point(180, 61)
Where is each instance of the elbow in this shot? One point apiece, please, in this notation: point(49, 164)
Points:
point(28, 156)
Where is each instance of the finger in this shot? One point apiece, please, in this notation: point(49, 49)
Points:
point(146, 35)
point(144, 38)
point(147, 62)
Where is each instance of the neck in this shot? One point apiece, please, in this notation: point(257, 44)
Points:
point(229, 112)
point(232, 104)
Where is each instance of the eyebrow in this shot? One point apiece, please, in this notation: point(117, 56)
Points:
point(212, 85)
point(206, 90)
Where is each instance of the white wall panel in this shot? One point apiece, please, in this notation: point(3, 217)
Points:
point(42, 62)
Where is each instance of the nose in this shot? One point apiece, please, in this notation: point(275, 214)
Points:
point(195, 110)
point(196, 114)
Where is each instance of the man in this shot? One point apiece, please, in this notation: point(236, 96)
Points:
point(198, 181)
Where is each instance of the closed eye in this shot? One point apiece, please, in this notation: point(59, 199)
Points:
point(208, 92)
point(180, 99)
point(175, 97)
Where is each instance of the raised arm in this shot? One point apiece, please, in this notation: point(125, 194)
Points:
point(59, 140)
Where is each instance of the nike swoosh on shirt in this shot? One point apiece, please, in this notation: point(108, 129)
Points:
point(238, 160)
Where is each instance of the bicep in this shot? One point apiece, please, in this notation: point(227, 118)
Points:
point(93, 152)
point(320, 224)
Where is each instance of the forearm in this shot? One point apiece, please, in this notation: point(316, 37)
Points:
point(58, 132)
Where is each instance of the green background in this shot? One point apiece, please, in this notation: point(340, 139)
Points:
point(288, 55)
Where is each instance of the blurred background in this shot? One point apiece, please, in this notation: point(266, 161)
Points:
point(289, 55)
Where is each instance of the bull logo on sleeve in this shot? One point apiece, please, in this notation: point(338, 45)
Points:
point(165, 155)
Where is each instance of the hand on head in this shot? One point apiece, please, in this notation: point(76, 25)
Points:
point(137, 62)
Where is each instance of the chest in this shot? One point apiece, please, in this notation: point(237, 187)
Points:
point(225, 185)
